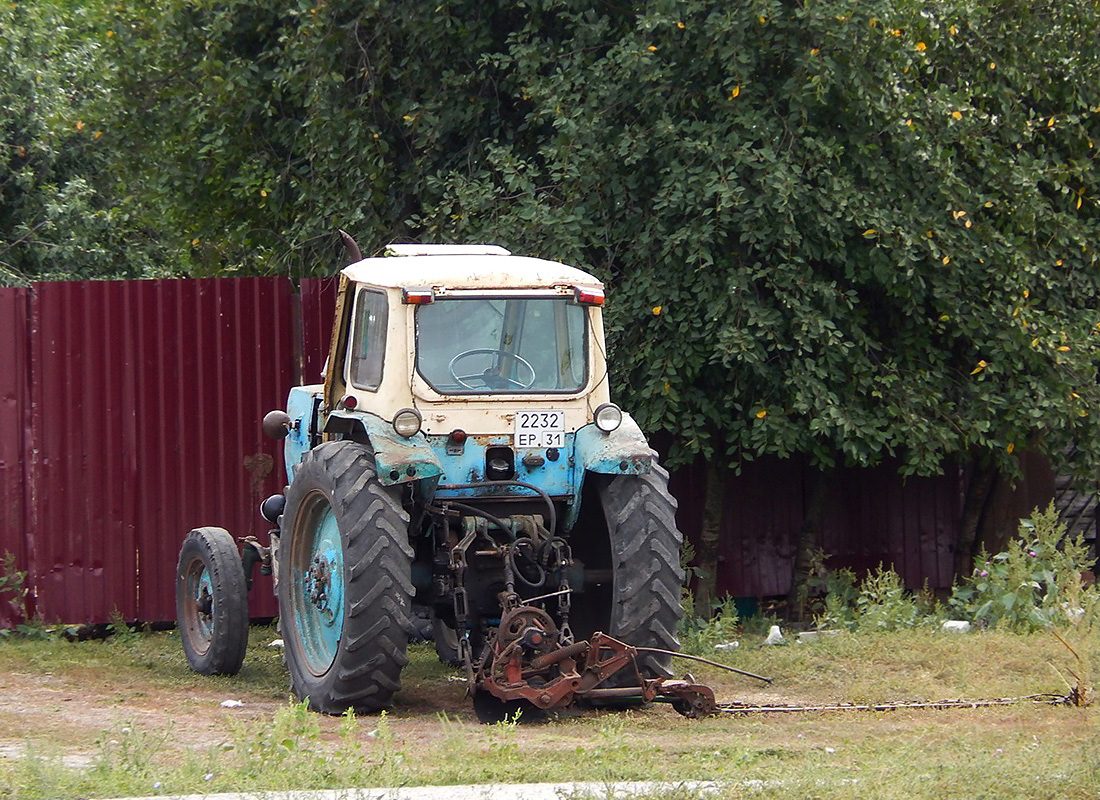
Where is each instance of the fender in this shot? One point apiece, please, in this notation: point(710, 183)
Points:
point(396, 459)
point(624, 451)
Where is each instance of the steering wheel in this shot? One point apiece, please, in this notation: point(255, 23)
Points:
point(489, 378)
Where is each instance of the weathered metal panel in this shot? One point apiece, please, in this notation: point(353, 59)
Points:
point(872, 516)
point(14, 423)
point(70, 480)
point(875, 516)
point(148, 397)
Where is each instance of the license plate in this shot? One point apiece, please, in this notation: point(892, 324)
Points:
point(540, 429)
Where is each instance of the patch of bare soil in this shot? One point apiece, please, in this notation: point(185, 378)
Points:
point(66, 712)
point(70, 711)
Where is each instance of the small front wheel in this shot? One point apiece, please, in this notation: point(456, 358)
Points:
point(212, 602)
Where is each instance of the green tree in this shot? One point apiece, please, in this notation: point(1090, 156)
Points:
point(843, 230)
point(848, 230)
point(265, 125)
point(58, 218)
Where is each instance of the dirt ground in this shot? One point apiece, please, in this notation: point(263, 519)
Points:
point(88, 694)
point(74, 709)
point(70, 710)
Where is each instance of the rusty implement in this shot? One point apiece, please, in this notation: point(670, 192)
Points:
point(528, 667)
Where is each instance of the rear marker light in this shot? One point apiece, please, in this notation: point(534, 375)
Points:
point(349, 402)
point(588, 297)
point(417, 297)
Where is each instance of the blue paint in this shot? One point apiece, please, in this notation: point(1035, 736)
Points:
point(624, 451)
point(424, 458)
point(198, 586)
point(299, 407)
point(556, 478)
point(319, 593)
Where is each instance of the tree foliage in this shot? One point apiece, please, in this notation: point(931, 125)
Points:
point(846, 229)
point(58, 218)
point(272, 124)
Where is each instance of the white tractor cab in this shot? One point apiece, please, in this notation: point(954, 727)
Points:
point(464, 366)
point(463, 454)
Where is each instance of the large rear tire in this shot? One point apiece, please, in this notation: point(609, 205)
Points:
point(345, 591)
point(641, 549)
point(212, 602)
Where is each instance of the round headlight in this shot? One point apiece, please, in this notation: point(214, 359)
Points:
point(407, 422)
point(608, 417)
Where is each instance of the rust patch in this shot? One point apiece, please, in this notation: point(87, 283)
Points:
point(259, 466)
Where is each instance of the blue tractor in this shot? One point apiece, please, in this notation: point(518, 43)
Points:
point(462, 455)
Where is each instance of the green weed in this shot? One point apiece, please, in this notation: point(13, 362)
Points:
point(699, 636)
point(1035, 583)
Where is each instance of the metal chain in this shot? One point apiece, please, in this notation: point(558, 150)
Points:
point(461, 603)
point(565, 561)
point(746, 708)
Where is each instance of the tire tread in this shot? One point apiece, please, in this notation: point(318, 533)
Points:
point(378, 587)
point(645, 549)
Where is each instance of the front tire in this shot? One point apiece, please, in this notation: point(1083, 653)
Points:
point(345, 591)
point(212, 602)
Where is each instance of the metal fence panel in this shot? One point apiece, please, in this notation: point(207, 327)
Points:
point(147, 402)
point(14, 424)
point(872, 516)
point(318, 304)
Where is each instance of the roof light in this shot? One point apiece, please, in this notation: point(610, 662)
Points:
point(417, 297)
point(588, 296)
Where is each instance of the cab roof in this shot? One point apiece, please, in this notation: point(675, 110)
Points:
point(464, 267)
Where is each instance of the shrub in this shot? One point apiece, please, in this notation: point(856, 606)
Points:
point(1034, 583)
point(840, 600)
point(879, 602)
point(699, 635)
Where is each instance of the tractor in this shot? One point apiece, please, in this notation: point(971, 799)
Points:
point(462, 456)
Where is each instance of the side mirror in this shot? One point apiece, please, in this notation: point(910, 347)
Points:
point(276, 424)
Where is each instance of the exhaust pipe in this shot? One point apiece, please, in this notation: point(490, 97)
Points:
point(350, 247)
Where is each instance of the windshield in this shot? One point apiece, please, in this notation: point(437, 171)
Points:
point(497, 345)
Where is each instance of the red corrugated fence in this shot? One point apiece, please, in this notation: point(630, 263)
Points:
point(129, 413)
point(14, 426)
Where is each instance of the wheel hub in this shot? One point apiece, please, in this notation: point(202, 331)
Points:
point(318, 580)
point(204, 602)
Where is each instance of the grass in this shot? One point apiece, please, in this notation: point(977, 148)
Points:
point(125, 717)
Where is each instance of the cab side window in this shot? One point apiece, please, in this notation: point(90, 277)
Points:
point(369, 343)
